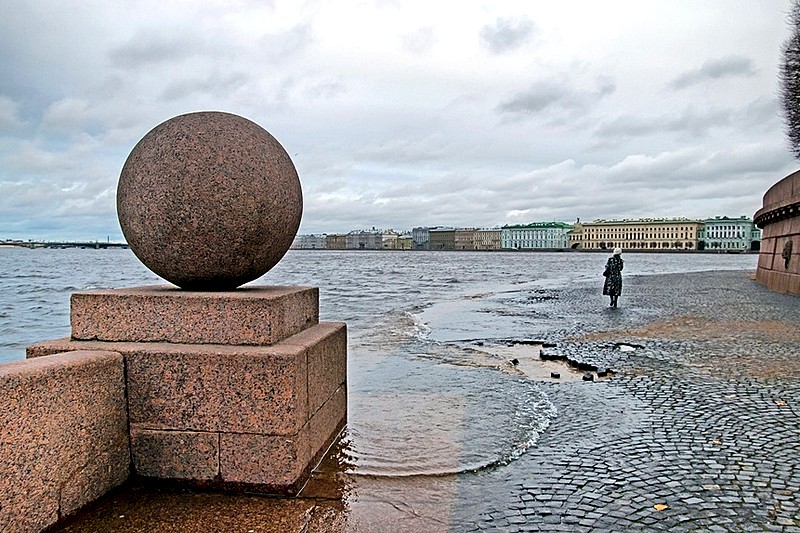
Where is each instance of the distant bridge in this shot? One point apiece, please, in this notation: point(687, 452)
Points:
point(97, 245)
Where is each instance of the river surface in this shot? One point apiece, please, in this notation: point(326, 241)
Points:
point(424, 381)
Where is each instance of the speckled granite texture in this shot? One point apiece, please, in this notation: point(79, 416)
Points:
point(779, 220)
point(195, 410)
point(247, 316)
point(209, 200)
point(63, 436)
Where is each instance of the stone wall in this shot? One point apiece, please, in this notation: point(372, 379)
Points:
point(63, 436)
point(779, 220)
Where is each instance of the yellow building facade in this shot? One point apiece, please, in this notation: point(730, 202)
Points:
point(642, 234)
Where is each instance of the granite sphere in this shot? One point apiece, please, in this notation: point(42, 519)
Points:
point(209, 201)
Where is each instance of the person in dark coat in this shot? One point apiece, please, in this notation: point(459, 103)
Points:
point(613, 273)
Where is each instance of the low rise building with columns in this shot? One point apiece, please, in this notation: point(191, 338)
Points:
point(647, 234)
point(730, 234)
point(535, 236)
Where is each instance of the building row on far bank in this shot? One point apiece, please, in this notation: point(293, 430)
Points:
point(676, 234)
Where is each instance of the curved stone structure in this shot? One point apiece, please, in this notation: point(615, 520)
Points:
point(209, 201)
point(779, 220)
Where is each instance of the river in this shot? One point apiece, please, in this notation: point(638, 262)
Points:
point(426, 336)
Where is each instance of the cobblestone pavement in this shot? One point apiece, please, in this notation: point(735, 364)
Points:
point(697, 431)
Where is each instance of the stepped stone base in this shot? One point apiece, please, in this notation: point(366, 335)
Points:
point(211, 414)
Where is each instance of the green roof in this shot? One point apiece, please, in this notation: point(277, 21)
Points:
point(546, 225)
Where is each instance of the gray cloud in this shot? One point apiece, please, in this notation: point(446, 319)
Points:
point(690, 121)
point(731, 66)
point(212, 83)
point(507, 34)
point(539, 97)
point(398, 114)
point(550, 95)
point(154, 48)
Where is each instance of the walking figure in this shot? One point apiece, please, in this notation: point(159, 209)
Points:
point(613, 273)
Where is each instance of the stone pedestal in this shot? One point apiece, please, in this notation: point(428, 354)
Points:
point(242, 390)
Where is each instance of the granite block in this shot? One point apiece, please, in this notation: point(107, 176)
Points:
point(208, 387)
point(58, 456)
point(775, 261)
point(764, 259)
point(794, 284)
point(281, 464)
point(326, 352)
point(239, 389)
point(327, 423)
point(275, 463)
point(773, 278)
point(768, 232)
point(44, 348)
point(780, 230)
point(252, 316)
point(217, 388)
point(794, 227)
point(185, 455)
point(783, 282)
point(767, 245)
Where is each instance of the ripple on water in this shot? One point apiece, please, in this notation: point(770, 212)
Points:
point(432, 419)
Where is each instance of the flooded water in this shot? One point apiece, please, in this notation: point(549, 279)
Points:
point(431, 391)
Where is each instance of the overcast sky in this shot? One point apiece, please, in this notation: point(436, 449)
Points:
point(403, 113)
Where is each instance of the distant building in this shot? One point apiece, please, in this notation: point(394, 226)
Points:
point(421, 238)
point(396, 241)
point(464, 239)
point(730, 234)
point(642, 234)
point(309, 242)
point(442, 239)
point(404, 242)
point(487, 239)
point(365, 240)
point(535, 236)
point(336, 241)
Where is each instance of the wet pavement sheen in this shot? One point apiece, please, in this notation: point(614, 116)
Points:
point(697, 430)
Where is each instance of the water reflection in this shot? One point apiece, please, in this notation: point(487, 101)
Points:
point(433, 404)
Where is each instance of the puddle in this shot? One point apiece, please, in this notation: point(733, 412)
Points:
point(523, 357)
point(622, 347)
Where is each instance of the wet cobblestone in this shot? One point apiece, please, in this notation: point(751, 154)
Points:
point(697, 431)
